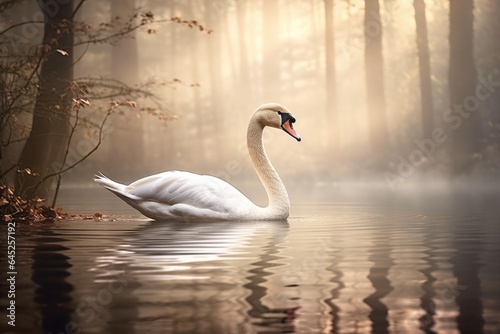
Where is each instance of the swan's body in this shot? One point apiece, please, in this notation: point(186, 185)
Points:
point(184, 195)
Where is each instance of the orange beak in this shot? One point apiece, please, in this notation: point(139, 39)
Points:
point(288, 127)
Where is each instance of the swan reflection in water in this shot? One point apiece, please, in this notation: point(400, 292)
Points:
point(196, 273)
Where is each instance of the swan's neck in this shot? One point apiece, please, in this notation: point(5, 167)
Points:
point(279, 204)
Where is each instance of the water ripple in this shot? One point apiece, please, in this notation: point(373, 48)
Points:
point(359, 270)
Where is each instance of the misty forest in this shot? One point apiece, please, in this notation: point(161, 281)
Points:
point(387, 92)
point(382, 122)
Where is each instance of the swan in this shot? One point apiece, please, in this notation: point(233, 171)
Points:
point(180, 195)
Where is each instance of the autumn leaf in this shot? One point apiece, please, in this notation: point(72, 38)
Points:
point(64, 53)
point(28, 171)
point(85, 102)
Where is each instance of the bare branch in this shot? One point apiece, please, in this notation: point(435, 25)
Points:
point(77, 8)
point(18, 25)
point(83, 158)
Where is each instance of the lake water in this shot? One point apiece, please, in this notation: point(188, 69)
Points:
point(429, 266)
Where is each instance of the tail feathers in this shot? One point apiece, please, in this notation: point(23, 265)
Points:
point(117, 188)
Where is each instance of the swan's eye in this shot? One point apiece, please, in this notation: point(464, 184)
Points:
point(287, 117)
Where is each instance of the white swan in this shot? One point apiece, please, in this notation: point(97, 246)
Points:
point(183, 195)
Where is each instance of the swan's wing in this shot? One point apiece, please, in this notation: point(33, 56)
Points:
point(189, 191)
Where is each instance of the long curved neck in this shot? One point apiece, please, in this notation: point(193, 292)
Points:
point(279, 204)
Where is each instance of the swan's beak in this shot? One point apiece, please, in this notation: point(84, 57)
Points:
point(287, 126)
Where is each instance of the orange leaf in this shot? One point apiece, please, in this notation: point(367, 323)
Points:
point(63, 52)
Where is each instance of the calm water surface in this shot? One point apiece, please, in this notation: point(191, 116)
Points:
point(332, 268)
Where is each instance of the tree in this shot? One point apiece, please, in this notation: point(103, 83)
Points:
point(125, 69)
point(241, 8)
point(50, 127)
point(195, 72)
point(424, 69)
point(43, 72)
point(462, 82)
point(495, 25)
point(330, 68)
point(374, 71)
point(216, 82)
point(271, 51)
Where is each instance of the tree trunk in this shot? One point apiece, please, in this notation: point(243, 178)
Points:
point(424, 67)
point(127, 139)
point(216, 82)
point(493, 69)
point(197, 100)
point(271, 52)
point(331, 97)
point(43, 151)
point(462, 82)
point(3, 117)
point(374, 71)
point(241, 7)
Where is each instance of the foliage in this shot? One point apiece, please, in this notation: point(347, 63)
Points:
point(18, 210)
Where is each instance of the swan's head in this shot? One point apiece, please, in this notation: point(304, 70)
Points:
point(277, 116)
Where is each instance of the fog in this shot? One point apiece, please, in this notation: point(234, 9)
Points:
point(205, 78)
